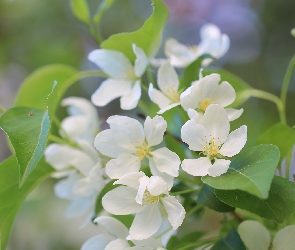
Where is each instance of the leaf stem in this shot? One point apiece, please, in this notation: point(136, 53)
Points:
point(164, 232)
point(2, 109)
point(62, 141)
point(285, 85)
point(143, 107)
point(183, 191)
point(200, 243)
point(194, 209)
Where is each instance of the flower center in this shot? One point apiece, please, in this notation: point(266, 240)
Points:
point(204, 104)
point(193, 48)
point(142, 150)
point(210, 148)
point(172, 94)
point(149, 199)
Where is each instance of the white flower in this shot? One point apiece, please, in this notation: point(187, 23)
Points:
point(212, 42)
point(213, 140)
point(145, 197)
point(129, 143)
point(116, 238)
point(168, 83)
point(208, 91)
point(124, 78)
point(82, 124)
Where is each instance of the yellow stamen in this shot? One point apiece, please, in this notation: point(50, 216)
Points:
point(204, 104)
point(148, 198)
point(172, 94)
point(142, 150)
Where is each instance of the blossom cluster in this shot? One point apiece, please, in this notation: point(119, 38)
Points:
point(133, 154)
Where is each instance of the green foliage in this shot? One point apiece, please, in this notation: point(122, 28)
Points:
point(279, 205)
point(251, 171)
point(107, 188)
point(208, 199)
point(148, 37)
point(27, 130)
point(231, 242)
point(174, 145)
point(177, 243)
point(11, 196)
point(280, 135)
point(102, 8)
point(240, 86)
point(80, 10)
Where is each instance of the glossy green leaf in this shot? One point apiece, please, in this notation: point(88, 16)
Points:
point(251, 171)
point(11, 196)
point(27, 130)
point(278, 206)
point(184, 242)
point(80, 10)
point(240, 86)
point(148, 37)
point(102, 8)
point(35, 89)
point(280, 135)
point(209, 199)
point(231, 242)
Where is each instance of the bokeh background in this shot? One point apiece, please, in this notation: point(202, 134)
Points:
point(35, 33)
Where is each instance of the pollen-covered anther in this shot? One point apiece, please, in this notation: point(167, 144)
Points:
point(148, 198)
point(172, 94)
point(142, 150)
point(204, 104)
point(211, 149)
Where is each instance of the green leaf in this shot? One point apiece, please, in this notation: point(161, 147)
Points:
point(209, 199)
point(11, 196)
point(27, 130)
point(278, 206)
point(176, 243)
point(102, 8)
point(80, 10)
point(251, 171)
point(174, 145)
point(107, 188)
point(231, 242)
point(148, 37)
point(280, 135)
point(35, 89)
point(240, 86)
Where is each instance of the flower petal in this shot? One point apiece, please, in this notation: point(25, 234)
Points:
point(154, 130)
point(233, 114)
point(64, 188)
point(175, 211)
point(190, 98)
point(194, 135)
point(163, 110)
point(79, 106)
point(155, 171)
point(117, 244)
point(219, 167)
point(121, 201)
point(130, 180)
point(109, 90)
point(146, 223)
point(113, 226)
point(130, 100)
point(113, 63)
point(196, 167)
point(284, 238)
point(158, 97)
point(157, 186)
point(207, 85)
point(80, 206)
point(224, 94)
point(215, 120)
point(235, 142)
point(143, 182)
point(141, 61)
point(167, 78)
point(98, 242)
point(124, 164)
point(166, 161)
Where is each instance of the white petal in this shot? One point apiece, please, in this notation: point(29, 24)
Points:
point(130, 100)
point(233, 114)
point(166, 161)
point(167, 79)
point(190, 98)
point(130, 180)
point(155, 171)
point(109, 90)
point(157, 62)
point(98, 242)
point(124, 164)
point(113, 226)
point(150, 242)
point(219, 167)
point(146, 223)
point(79, 207)
point(194, 135)
point(284, 239)
point(79, 106)
point(163, 110)
point(121, 201)
point(224, 94)
point(196, 167)
point(143, 182)
point(157, 186)
point(175, 211)
point(64, 188)
point(235, 142)
point(215, 120)
point(141, 61)
point(158, 97)
point(113, 63)
point(154, 130)
point(117, 245)
point(254, 235)
point(208, 84)
point(195, 116)
point(179, 54)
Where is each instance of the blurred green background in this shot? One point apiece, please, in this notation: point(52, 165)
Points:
point(35, 33)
